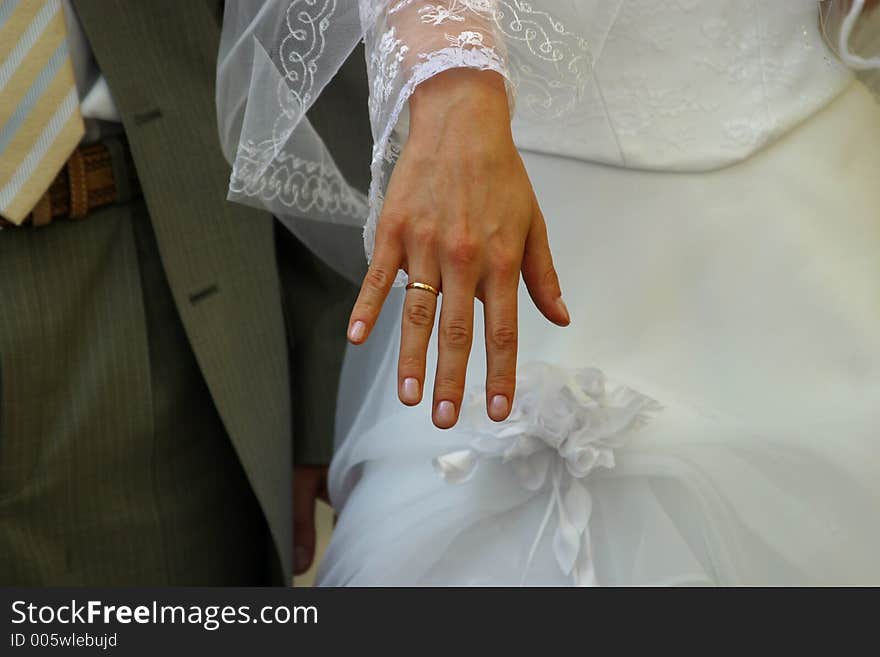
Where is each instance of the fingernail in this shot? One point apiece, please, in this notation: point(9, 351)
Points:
point(357, 331)
point(564, 309)
point(446, 414)
point(303, 556)
point(498, 407)
point(411, 389)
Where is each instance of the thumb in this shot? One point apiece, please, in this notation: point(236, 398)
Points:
point(540, 274)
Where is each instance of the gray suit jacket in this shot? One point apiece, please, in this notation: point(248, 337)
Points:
point(159, 59)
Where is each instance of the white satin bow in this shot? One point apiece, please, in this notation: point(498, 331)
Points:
point(565, 424)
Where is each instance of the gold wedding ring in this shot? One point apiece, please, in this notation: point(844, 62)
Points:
point(423, 286)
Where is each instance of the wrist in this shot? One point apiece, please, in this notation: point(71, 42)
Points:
point(480, 96)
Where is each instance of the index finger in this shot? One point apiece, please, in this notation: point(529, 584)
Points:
point(374, 290)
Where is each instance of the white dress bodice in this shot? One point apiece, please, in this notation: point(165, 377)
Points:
point(687, 85)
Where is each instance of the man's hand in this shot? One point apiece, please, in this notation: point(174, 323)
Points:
point(309, 485)
point(459, 215)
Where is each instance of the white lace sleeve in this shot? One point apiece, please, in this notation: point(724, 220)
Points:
point(276, 56)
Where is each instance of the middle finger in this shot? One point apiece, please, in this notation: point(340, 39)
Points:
point(454, 341)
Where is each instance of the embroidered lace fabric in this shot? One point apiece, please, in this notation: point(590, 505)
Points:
point(597, 81)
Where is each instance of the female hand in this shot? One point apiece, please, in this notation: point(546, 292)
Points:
point(460, 215)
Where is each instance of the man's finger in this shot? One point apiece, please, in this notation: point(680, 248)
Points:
point(305, 488)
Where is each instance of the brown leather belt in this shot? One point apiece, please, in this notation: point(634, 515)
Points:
point(89, 180)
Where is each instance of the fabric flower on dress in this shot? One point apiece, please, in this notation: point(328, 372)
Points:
point(565, 424)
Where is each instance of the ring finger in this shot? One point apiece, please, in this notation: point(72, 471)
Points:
point(417, 324)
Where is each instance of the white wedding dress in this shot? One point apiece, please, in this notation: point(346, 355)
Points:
point(709, 172)
point(712, 415)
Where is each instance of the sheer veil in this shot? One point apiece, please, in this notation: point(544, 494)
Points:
point(276, 57)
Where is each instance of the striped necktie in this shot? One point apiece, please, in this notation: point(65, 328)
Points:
point(40, 121)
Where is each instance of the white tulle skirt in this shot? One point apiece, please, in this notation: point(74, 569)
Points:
point(712, 415)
